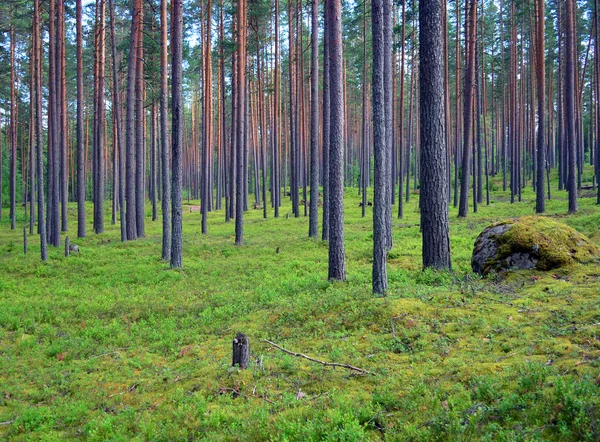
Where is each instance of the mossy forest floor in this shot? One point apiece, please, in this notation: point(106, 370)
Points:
point(110, 344)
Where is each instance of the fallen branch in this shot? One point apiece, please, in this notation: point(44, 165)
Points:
point(130, 390)
point(6, 422)
point(590, 326)
point(328, 364)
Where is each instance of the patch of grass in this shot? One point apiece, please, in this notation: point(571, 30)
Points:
point(110, 344)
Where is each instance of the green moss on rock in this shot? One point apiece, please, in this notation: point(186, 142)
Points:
point(530, 242)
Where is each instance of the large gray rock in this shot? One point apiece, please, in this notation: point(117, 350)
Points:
point(530, 243)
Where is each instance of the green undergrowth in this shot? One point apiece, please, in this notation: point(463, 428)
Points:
point(110, 344)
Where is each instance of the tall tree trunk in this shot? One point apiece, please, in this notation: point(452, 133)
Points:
point(153, 161)
point(223, 155)
point(468, 107)
point(365, 163)
point(380, 283)
point(540, 200)
point(241, 122)
point(412, 94)
point(293, 107)
point(176, 132)
point(81, 187)
point(337, 261)
point(62, 83)
point(570, 55)
point(301, 158)
point(513, 120)
point(245, 162)
point(401, 122)
point(313, 230)
point(140, 116)
point(326, 125)
point(388, 101)
point(115, 174)
point(13, 134)
point(53, 143)
point(130, 175)
point(233, 143)
point(488, 151)
point(458, 82)
point(50, 113)
point(263, 130)
point(31, 170)
point(119, 138)
point(434, 199)
point(165, 148)
point(207, 120)
point(448, 126)
point(38, 131)
point(99, 123)
point(477, 154)
point(479, 60)
point(276, 185)
point(560, 102)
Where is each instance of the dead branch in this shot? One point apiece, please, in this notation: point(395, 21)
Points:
point(327, 364)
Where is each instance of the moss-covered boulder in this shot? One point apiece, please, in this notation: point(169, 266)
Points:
point(528, 243)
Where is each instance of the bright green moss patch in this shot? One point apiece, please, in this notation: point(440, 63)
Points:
point(555, 244)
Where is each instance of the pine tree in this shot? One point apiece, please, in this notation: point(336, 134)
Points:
point(176, 133)
point(434, 200)
point(337, 261)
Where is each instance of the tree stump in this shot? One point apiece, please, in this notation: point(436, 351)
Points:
point(241, 351)
point(25, 240)
point(67, 246)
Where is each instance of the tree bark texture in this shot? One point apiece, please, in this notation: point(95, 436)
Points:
point(380, 139)
point(434, 185)
point(176, 133)
point(337, 262)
